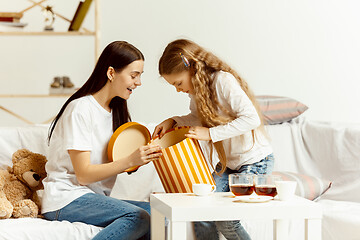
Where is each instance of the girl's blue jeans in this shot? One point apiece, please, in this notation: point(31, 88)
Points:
point(231, 229)
point(121, 219)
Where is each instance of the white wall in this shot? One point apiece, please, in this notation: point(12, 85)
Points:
point(308, 50)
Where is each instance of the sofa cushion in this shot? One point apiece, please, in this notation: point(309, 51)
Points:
point(33, 138)
point(280, 109)
point(307, 186)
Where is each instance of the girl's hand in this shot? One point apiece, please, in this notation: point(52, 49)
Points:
point(145, 154)
point(199, 133)
point(163, 127)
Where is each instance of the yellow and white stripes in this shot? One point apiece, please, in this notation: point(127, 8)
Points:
point(181, 165)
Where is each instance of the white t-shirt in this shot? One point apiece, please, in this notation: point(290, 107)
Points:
point(84, 126)
point(233, 98)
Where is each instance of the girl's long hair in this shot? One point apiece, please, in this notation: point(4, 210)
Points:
point(118, 55)
point(203, 64)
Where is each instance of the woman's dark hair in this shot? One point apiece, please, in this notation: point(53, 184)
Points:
point(118, 55)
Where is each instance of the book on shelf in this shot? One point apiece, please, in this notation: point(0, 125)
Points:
point(79, 15)
point(9, 19)
point(10, 16)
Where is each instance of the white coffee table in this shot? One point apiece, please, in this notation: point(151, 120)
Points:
point(180, 208)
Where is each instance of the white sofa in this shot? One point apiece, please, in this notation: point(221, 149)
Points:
point(323, 150)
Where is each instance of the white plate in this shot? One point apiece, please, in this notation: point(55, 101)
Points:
point(253, 199)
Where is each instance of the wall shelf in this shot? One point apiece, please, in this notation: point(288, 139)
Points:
point(95, 33)
point(82, 32)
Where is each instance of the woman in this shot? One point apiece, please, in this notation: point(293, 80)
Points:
point(80, 177)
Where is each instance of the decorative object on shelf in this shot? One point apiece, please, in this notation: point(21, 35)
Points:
point(56, 83)
point(49, 18)
point(79, 15)
point(67, 82)
point(61, 85)
point(57, 14)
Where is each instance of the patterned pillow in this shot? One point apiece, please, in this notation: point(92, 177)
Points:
point(279, 109)
point(307, 186)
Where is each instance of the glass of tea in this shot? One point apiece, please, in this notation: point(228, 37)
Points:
point(241, 184)
point(265, 185)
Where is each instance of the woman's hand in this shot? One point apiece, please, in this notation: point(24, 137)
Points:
point(145, 154)
point(199, 133)
point(87, 173)
point(163, 127)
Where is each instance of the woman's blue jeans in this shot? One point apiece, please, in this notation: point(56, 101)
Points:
point(232, 230)
point(121, 219)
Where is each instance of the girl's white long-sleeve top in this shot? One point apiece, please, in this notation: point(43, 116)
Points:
point(233, 98)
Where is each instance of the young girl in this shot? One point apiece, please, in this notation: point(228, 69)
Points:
point(80, 177)
point(223, 112)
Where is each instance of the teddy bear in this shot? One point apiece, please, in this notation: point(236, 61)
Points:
point(19, 185)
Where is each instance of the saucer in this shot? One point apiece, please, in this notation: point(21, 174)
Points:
point(253, 199)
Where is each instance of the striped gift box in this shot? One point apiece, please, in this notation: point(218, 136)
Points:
point(182, 163)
